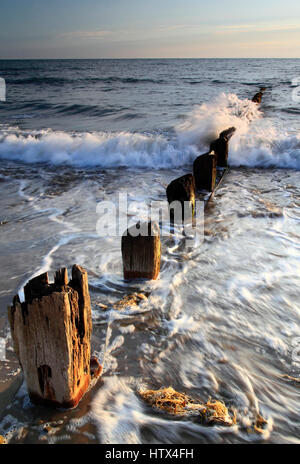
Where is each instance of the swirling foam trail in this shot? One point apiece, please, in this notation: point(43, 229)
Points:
point(257, 143)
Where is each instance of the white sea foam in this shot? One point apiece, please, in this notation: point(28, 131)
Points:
point(256, 143)
point(120, 417)
point(106, 150)
point(209, 119)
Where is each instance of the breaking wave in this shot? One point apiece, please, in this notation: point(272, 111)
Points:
point(106, 150)
point(257, 142)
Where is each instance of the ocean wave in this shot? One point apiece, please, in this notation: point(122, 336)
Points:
point(218, 81)
point(67, 109)
point(264, 147)
point(254, 84)
point(128, 80)
point(256, 143)
point(88, 110)
point(56, 81)
point(195, 82)
point(106, 150)
point(59, 81)
point(130, 115)
point(207, 120)
point(290, 110)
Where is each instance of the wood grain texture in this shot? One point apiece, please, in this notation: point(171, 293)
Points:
point(141, 253)
point(51, 333)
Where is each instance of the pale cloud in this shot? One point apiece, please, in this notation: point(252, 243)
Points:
point(162, 31)
point(267, 44)
point(264, 27)
point(237, 26)
point(140, 32)
point(86, 34)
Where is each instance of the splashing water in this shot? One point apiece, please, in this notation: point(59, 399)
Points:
point(257, 142)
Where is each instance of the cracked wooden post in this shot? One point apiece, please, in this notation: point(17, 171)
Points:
point(141, 251)
point(51, 332)
point(205, 171)
point(220, 146)
point(181, 198)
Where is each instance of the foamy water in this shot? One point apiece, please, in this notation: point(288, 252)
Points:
point(257, 143)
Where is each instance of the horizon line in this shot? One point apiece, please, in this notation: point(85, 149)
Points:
point(160, 58)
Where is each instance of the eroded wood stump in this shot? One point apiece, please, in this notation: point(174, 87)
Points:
point(258, 96)
point(220, 146)
point(141, 251)
point(181, 198)
point(205, 171)
point(51, 332)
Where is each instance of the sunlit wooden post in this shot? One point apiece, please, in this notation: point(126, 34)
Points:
point(141, 251)
point(220, 146)
point(51, 333)
point(205, 171)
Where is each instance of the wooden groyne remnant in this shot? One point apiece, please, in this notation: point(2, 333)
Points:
point(220, 147)
point(258, 96)
point(208, 170)
point(181, 192)
point(205, 171)
point(51, 332)
point(141, 251)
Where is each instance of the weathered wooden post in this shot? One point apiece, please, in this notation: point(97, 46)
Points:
point(51, 333)
point(205, 171)
point(141, 251)
point(258, 96)
point(181, 192)
point(220, 146)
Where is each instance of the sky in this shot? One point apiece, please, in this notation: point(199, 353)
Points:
point(149, 29)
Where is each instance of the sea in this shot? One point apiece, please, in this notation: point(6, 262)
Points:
point(222, 321)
